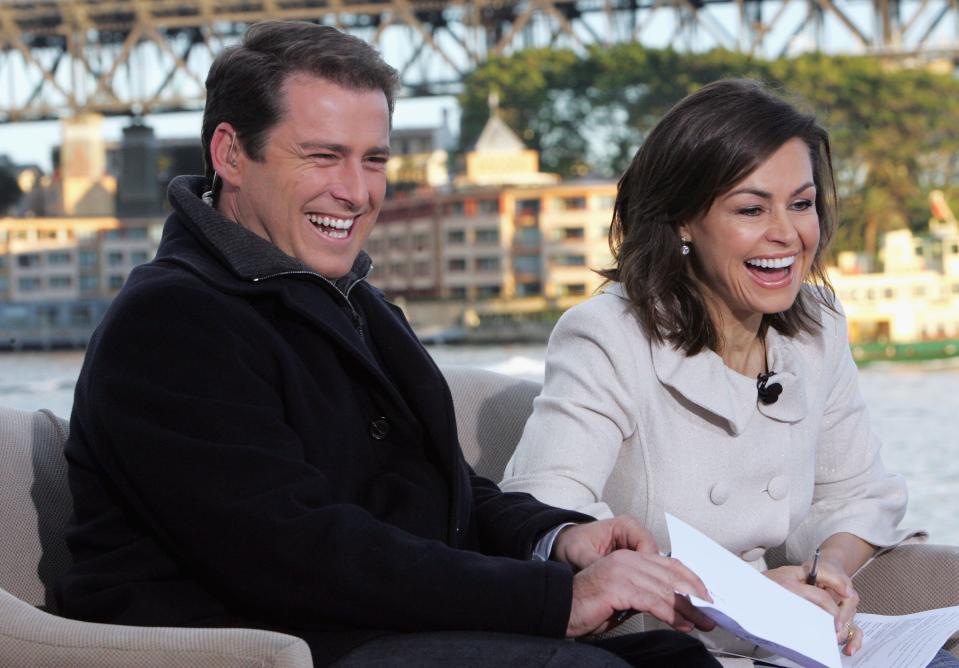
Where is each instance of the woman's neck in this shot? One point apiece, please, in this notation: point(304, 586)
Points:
point(741, 347)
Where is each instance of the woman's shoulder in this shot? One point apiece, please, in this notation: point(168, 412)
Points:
point(606, 320)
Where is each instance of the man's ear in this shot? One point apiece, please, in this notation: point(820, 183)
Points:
point(225, 154)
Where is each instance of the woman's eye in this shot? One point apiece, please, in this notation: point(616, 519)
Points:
point(803, 205)
point(750, 211)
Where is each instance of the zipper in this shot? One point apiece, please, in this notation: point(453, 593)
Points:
point(355, 316)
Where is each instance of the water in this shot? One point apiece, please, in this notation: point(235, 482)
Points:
point(912, 407)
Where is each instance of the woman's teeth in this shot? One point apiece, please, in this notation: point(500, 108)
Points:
point(770, 263)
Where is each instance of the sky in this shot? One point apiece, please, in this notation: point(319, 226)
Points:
point(32, 143)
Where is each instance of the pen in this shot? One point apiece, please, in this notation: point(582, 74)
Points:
point(814, 571)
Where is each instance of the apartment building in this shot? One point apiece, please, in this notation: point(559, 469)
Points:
point(57, 275)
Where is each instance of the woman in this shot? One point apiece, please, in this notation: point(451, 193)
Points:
point(712, 378)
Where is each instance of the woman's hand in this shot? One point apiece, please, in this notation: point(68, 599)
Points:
point(833, 592)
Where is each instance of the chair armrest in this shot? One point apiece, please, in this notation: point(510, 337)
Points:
point(911, 578)
point(31, 637)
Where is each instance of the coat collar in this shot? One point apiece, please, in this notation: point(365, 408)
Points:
point(704, 380)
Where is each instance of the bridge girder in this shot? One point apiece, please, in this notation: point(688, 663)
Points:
point(129, 57)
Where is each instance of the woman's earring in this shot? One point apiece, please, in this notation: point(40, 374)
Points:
point(684, 249)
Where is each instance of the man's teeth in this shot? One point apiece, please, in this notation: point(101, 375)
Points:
point(338, 228)
point(769, 263)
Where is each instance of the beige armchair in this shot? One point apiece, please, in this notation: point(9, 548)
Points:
point(491, 410)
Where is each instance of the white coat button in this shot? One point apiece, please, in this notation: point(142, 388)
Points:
point(778, 487)
point(719, 493)
point(754, 554)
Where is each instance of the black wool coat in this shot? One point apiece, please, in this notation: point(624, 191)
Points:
point(251, 447)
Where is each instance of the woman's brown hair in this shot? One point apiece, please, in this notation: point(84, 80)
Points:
point(706, 144)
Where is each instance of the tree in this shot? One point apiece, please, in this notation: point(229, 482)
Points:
point(894, 129)
point(10, 192)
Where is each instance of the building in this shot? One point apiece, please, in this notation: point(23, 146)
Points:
point(916, 295)
point(506, 239)
point(57, 275)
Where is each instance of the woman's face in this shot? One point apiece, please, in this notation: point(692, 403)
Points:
point(756, 243)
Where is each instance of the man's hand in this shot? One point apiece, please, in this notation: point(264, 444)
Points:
point(643, 581)
point(582, 544)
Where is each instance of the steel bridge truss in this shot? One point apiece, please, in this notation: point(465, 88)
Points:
point(128, 57)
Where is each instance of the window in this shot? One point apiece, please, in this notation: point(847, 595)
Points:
point(59, 258)
point(138, 257)
point(398, 242)
point(487, 235)
point(888, 293)
point(47, 235)
point(529, 289)
point(455, 236)
point(569, 203)
point(85, 235)
point(572, 290)
point(421, 240)
point(567, 233)
point(81, 314)
point(488, 206)
point(136, 233)
point(114, 258)
point(28, 260)
point(398, 269)
point(21, 235)
point(605, 201)
point(528, 236)
point(29, 283)
point(570, 260)
point(453, 208)
point(487, 264)
point(527, 264)
point(3, 261)
point(456, 264)
point(89, 283)
point(61, 282)
point(919, 291)
point(459, 292)
point(525, 207)
point(4, 284)
point(115, 281)
point(488, 291)
point(422, 268)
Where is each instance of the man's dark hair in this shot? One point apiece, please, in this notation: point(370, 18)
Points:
point(245, 82)
point(706, 144)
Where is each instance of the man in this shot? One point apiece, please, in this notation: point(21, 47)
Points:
point(258, 439)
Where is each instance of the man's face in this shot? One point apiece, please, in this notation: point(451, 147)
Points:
point(321, 179)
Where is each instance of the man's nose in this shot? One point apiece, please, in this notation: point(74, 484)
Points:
point(350, 185)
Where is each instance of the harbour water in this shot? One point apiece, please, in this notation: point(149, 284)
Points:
point(913, 408)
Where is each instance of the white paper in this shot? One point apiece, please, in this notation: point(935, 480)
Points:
point(751, 605)
point(905, 641)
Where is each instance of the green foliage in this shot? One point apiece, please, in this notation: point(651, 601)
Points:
point(894, 130)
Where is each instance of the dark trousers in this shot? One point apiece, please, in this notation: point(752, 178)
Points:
point(473, 649)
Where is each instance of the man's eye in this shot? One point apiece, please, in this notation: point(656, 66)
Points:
point(323, 156)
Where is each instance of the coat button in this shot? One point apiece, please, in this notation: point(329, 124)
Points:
point(754, 554)
point(379, 428)
point(719, 493)
point(778, 487)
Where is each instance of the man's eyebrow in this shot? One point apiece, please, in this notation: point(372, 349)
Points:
point(767, 195)
point(340, 148)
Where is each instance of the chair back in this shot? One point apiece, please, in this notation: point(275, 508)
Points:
point(491, 411)
point(35, 504)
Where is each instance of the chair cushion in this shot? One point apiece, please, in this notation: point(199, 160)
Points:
point(35, 504)
point(491, 411)
point(30, 637)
